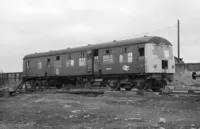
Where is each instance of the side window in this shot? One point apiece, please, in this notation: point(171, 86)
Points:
point(107, 52)
point(141, 51)
point(28, 64)
point(57, 62)
point(96, 56)
point(48, 63)
point(69, 61)
point(124, 50)
point(108, 57)
point(57, 57)
point(126, 55)
point(82, 59)
point(39, 65)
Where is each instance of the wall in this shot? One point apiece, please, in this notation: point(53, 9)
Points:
point(8, 79)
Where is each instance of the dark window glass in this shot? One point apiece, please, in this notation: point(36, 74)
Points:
point(107, 52)
point(57, 57)
point(141, 51)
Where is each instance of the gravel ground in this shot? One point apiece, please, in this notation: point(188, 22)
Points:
point(111, 110)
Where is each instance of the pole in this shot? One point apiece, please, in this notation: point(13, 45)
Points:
point(178, 34)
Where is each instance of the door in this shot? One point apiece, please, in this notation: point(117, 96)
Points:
point(141, 58)
point(93, 62)
point(48, 70)
point(89, 62)
point(96, 62)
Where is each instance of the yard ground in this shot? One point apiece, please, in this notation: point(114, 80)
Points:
point(111, 110)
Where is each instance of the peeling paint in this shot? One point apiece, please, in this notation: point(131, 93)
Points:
point(154, 54)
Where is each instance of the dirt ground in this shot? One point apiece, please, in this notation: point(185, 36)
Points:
point(111, 110)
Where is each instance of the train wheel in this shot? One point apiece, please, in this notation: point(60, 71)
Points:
point(128, 87)
point(87, 85)
point(143, 86)
point(155, 89)
point(157, 85)
point(58, 86)
point(114, 86)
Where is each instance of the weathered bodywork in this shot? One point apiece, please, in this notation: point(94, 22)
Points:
point(133, 59)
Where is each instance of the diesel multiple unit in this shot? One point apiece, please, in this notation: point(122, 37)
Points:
point(144, 63)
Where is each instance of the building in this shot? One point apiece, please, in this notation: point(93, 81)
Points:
point(180, 60)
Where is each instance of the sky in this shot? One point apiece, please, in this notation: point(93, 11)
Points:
point(29, 26)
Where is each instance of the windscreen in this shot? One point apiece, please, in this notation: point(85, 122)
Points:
point(163, 52)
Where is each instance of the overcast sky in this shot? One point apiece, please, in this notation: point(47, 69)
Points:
point(28, 26)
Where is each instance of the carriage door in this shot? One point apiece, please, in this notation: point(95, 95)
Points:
point(140, 58)
point(48, 70)
point(89, 61)
point(96, 62)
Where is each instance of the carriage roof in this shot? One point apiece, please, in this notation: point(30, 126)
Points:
point(141, 40)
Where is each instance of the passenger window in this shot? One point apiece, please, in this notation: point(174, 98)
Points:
point(96, 56)
point(108, 58)
point(57, 62)
point(69, 61)
point(48, 63)
point(124, 50)
point(141, 51)
point(82, 60)
point(57, 57)
point(126, 56)
point(107, 52)
point(39, 65)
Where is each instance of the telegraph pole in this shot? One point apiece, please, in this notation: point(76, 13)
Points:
point(178, 36)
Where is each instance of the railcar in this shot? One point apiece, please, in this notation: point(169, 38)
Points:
point(144, 63)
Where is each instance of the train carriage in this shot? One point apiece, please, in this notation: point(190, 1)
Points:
point(145, 62)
